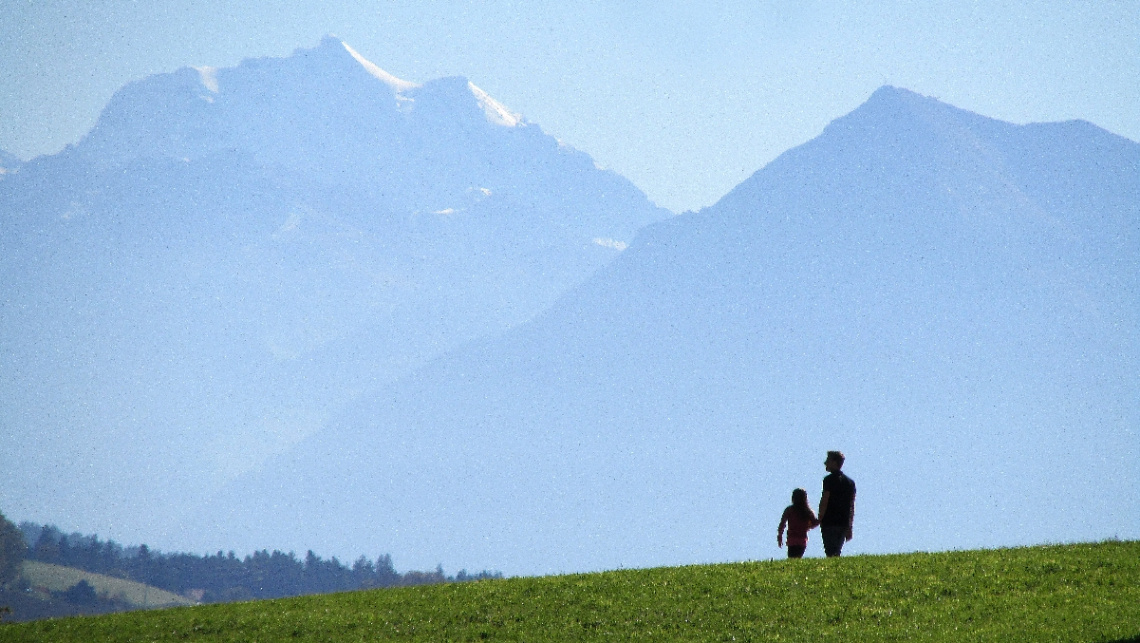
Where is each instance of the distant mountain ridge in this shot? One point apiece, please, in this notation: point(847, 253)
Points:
point(231, 254)
point(322, 113)
point(950, 299)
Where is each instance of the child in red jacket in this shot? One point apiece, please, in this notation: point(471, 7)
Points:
point(799, 518)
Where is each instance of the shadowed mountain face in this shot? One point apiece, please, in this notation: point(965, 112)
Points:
point(232, 254)
point(951, 300)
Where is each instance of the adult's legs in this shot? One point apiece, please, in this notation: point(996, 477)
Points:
point(833, 538)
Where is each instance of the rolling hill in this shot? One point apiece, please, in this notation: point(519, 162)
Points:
point(57, 578)
point(1070, 593)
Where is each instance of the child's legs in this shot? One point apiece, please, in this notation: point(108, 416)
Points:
point(796, 551)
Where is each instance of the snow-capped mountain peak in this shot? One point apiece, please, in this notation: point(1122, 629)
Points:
point(496, 112)
point(258, 107)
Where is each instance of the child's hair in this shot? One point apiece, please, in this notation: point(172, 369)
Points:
point(800, 502)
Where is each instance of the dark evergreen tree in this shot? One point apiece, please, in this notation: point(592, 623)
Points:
point(12, 551)
point(46, 548)
point(81, 593)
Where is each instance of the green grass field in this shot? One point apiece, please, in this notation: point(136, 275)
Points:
point(57, 578)
point(1054, 593)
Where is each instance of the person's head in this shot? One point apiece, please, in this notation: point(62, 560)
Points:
point(799, 498)
point(800, 502)
point(834, 461)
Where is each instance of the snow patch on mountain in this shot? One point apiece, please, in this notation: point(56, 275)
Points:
point(496, 112)
point(209, 78)
point(398, 85)
point(610, 243)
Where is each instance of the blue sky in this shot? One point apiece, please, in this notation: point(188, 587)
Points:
point(686, 99)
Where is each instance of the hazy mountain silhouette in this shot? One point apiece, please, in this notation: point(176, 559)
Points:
point(951, 300)
point(230, 254)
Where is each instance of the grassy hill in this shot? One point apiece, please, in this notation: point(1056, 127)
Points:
point(56, 578)
point(42, 593)
point(1088, 592)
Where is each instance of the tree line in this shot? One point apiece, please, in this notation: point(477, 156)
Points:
point(224, 577)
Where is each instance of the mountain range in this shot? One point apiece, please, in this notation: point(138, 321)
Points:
point(949, 299)
point(304, 304)
point(231, 255)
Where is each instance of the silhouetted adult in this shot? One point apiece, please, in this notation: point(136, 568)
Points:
point(837, 506)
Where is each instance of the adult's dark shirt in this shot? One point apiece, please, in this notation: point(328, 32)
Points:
point(841, 495)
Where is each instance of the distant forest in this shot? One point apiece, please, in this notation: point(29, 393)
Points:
point(224, 577)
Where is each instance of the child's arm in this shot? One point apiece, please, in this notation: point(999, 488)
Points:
point(780, 533)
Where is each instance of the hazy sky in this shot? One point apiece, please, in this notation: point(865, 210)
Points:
point(684, 98)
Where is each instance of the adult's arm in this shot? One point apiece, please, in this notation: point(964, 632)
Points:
point(851, 518)
point(823, 504)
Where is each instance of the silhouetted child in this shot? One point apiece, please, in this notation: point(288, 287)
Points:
point(799, 518)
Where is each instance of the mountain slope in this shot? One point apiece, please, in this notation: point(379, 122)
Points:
point(232, 254)
point(949, 299)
